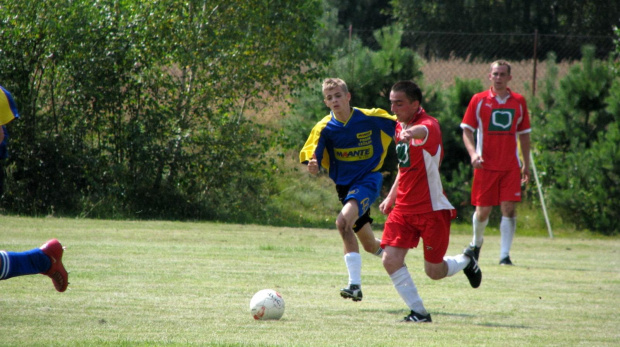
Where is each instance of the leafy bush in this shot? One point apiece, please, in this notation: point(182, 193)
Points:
point(138, 108)
point(577, 139)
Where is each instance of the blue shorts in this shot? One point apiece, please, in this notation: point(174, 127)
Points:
point(365, 191)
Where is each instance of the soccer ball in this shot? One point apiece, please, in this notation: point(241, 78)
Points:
point(267, 304)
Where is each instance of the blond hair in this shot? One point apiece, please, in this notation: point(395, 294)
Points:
point(331, 83)
point(501, 63)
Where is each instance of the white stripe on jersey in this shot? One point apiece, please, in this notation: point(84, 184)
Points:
point(480, 130)
point(438, 199)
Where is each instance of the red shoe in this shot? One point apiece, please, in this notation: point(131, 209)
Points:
point(57, 272)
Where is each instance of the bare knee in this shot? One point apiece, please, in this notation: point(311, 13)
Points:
point(436, 271)
point(392, 265)
point(343, 226)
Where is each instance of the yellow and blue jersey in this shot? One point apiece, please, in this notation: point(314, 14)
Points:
point(350, 150)
point(8, 108)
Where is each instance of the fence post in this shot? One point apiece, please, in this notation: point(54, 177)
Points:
point(535, 62)
point(532, 161)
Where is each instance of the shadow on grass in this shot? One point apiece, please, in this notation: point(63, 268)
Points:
point(509, 326)
point(399, 313)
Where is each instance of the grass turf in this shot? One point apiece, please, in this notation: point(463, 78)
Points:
point(177, 284)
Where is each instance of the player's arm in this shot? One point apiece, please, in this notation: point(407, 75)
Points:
point(386, 205)
point(417, 132)
point(470, 145)
point(524, 140)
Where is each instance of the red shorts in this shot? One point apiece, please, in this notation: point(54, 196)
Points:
point(490, 188)
point(405, 230)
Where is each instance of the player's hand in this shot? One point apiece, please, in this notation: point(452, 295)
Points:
point(406, 135)
point(476, 162)
point(525, 175)
point(385, 207)
point(313, 165)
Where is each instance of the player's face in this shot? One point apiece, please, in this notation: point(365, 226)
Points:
point(499, 76)
point(402, 107)
point(336, 99)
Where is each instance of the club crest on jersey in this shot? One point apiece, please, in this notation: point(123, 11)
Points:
point(353, 154)
point(402, 152)
point(501, 120)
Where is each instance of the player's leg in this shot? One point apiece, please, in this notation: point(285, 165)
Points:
point(394, 264)
point(480, 220)
point(352, 258)
point(370, 243)
point(507, 229)
point(510, 194)
point(46, 260)
point(436, 235)
point(400, 235)
point(365, 192)
point(345, 223)
point(484, 195)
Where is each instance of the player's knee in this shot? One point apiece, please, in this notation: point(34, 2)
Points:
point(391, 264)
point(435, 271)
point(341, 224)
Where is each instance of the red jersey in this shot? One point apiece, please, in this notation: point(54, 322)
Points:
point(419, 186)
point(497, 123)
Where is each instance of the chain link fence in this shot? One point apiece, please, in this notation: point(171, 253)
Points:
point(467, 55)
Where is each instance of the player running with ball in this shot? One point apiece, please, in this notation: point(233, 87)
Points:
point(416, 204)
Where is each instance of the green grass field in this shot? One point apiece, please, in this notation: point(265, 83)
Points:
point(173, 283)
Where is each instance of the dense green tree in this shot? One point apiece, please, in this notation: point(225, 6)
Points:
point(140, 107)
point(517, 19)
point(364, 17)
point(576, 138)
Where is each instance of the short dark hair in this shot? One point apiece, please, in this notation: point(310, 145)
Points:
point(411, 90)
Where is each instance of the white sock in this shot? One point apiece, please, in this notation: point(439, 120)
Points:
point(507, 228)
point(456, 263)
point(407, 290)
point(478, 230)
point(354, 266)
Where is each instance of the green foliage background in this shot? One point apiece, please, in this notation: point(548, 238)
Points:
point(138, 108)
point(151, 109)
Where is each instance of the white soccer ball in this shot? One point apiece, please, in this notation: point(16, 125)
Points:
point(267, 304)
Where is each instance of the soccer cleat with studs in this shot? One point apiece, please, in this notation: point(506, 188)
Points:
point(54, 250)
point(506, 261)
point(353, 292)
point(418, 318)
point(472, 270)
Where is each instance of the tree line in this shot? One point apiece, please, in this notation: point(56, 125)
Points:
point(139, 109)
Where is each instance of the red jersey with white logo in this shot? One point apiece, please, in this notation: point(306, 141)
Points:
point(497, 123)
point(419, 187)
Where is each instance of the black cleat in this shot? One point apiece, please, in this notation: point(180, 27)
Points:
point(354, 292)
point(417, 318)
point(506, 261)
point(476, 250)
point(472, 270)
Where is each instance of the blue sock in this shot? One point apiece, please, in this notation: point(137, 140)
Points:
point(31, 262)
